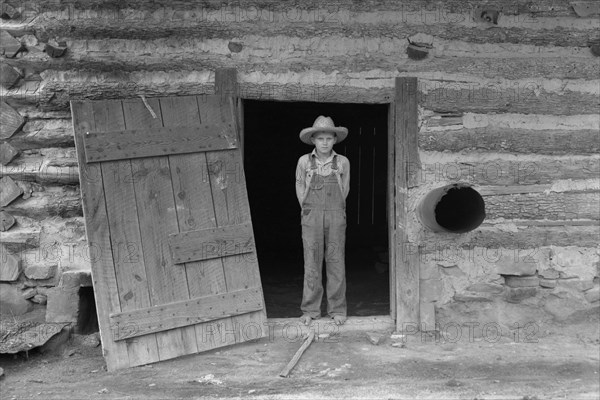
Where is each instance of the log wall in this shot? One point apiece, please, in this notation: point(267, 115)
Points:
point(510, 107)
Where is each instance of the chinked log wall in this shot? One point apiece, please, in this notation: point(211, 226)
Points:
point(510, 106)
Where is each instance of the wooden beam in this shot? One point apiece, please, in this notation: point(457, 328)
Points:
point(506, 140)
point(138, 143)
point(441, 95)
point(50, 201)
point(226, 82)
point(445, 96)
point(56, 95)
point(44, 133)
point(515, 68)
point(503, 171)
point(406, 162)
point(210, 243)
point(526, 235)
point(551, 206)
point(48, 167)
point(415, 7)
point(184, 313)
point(525, 34)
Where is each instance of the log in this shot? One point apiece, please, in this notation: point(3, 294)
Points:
point(44, 133)
point(61, 201)
point(552, 206)
point(44, 166)
point(527, 34)
point(26, 93)
point(439, 96)
point(286, 371)
point(552, 8)
point(10, 121)
point(518, 189)
point(524, 235)
point(505, 140)
point(343, 93)
point(498, 171)
point(33, 114)
point(528, 98)
point(485, 65)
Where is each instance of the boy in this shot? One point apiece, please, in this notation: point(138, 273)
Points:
point(322, 185)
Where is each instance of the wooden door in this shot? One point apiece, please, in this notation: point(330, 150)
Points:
point(168, 224)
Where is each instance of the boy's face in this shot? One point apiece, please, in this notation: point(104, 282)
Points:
point(323, 141)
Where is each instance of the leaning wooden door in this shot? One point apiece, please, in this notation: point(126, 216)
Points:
point(168, 224)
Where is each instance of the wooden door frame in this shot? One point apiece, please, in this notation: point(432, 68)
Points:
point(406, 170)
point(403, 164)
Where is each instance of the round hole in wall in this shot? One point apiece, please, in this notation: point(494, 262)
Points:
point(454, 208)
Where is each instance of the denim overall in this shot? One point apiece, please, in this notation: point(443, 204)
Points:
point(324, 237)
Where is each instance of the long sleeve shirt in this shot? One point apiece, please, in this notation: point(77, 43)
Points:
point(304, 173)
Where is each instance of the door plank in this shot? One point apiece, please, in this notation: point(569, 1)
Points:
point(195, 210)
point(184, 313)
point(135, 143)
point(211, 243)
point(232, 208)
point(154, 198)
point(125, 235)
point(98, 236)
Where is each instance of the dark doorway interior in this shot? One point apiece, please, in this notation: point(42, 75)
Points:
point(271, 151)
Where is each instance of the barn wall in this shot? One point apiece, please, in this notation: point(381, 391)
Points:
point(510, 107)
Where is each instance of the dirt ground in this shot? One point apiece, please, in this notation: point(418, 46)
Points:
point(556, 365)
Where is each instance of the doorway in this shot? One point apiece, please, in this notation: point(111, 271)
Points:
point(271, 151)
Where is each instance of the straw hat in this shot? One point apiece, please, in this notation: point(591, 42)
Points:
point(323, 124)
